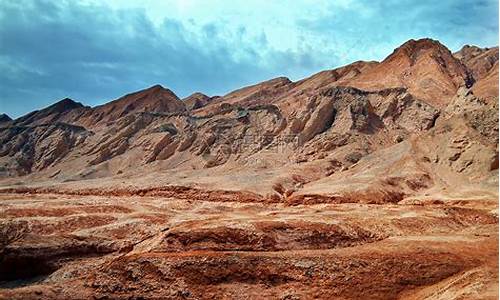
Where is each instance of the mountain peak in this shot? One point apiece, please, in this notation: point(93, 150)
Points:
point(61, 106)
point(5, 118)
point(412, 49)
point(156, 87)
point(196, 96)
point(424, 42)
point(196, 100)
point(49, 113)
point(425, 66)
point(467, 46)
point(152, 99)
point(67, 103)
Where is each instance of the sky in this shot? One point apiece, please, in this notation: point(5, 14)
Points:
point(96, 51)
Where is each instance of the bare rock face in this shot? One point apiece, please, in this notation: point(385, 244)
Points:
point(260, 90)
point(483, 64)
point(349, 109)
point(327, 78)
point(464, 101)
point(319, 120)
point(35, 148)
point(465, 150)
point(399, 109)
point(478, 60)
point(262, 93)
point(487, 87)
point(341, 111)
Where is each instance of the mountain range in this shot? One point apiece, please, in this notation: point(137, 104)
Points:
point(422, 121)
point(374, 180)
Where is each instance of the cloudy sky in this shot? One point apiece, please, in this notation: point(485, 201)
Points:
point(94, 51)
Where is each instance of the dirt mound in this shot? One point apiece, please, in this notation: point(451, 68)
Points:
point(265, 236)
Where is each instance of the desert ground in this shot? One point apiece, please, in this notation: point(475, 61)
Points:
point(132, 246)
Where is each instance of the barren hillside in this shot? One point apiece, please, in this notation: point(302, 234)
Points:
point(373, 180)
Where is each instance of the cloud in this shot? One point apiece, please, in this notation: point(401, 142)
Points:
point(94, 52)
point(371, 29)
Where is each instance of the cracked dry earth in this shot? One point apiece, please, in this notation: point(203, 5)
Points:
point(134, 247)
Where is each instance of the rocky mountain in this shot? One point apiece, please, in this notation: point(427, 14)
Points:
point(373, 180)
point(321, 125)
point(483, 64)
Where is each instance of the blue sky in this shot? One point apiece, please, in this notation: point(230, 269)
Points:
point(95, 51)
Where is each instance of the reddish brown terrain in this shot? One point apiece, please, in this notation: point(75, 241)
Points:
point(376, 180)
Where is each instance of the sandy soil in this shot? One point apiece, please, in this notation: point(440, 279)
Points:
point(157, 247)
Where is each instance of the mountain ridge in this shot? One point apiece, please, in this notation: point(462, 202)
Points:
point(341, 115)
point(375, 180)
point(410, 49)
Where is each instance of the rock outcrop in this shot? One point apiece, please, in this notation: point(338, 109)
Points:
point(478, 60)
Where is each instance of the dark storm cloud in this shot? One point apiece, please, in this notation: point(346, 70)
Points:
point(93, 54)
